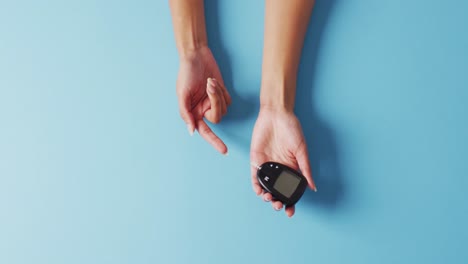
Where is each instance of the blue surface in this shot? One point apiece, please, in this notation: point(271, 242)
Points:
point(97, 167)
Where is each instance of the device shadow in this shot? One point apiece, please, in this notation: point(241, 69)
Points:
point(322, 145)
point(242, 107)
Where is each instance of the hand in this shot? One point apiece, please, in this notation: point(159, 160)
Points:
point(201, 93)
point(277, 136)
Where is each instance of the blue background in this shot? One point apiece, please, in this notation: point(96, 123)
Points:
point(97, 167)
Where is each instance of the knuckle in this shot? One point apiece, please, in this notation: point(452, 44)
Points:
point(205, 130)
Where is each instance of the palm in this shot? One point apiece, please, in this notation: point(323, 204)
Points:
point(278, 137)
point(192, 80)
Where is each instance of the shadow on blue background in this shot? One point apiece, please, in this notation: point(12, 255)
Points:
point(244, 107)
point(322, 145)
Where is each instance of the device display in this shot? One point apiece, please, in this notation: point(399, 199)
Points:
point(284, 183)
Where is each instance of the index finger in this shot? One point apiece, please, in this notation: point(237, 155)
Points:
point(205, 131)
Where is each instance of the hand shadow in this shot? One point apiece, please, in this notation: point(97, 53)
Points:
point(242, 107)
point(322, 147)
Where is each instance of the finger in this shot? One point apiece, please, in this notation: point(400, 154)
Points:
point(255, 184)
point(215, 112)
point(277, 205)
point(224, 106)
point(304, 165)
point(185, 112)
point(227, 96)
point(223, 101)
point(267, 197)
point(220, 89)
point(205, 131)
point(290, 210)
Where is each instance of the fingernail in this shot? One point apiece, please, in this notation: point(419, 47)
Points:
point(190, 130)
point(277, 208)
point(315, 189)
point(226, 154)
point(268, 199)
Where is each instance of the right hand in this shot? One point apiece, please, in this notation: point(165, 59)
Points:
point(201, 94)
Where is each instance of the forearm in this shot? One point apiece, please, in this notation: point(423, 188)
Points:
point(285, 27)
point(188, 18)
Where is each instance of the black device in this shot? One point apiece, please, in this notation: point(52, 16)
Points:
point(284, 183)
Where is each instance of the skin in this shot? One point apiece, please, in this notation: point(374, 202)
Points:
point(200, 87)
point(277, 135)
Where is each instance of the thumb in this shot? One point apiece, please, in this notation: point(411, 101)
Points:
point(304, 166)
point(218, 106)
point(185, 112)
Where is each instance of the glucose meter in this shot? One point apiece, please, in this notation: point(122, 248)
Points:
point(284, 183)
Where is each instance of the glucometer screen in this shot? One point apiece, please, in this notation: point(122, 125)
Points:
point(286, 183)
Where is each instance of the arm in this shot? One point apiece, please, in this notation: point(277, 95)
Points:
point(285, 27)
point(277, 134)
point(188, 18)
point(200, 87)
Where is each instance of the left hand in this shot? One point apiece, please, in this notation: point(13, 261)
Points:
point(278, 137)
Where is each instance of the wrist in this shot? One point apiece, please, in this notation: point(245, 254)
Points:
point(192, 41)
point(188, 18)
point(278, 93)
point(189, 53)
